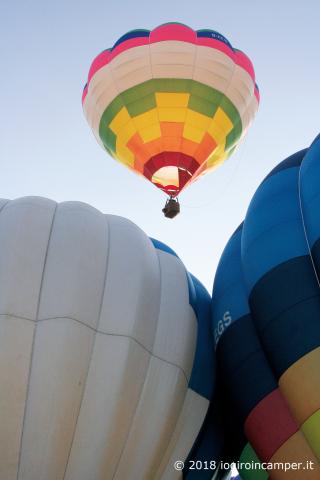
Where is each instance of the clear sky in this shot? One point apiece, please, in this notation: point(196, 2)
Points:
point(47, 148)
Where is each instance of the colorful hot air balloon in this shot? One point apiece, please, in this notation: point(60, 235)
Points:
point(171, 103)
point(106, 357)
point(266, 319)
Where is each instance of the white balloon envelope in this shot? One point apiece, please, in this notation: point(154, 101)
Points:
point(101, 369)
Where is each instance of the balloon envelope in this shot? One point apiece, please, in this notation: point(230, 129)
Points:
point(107, 364)
point(171, 103)
point(266, 311)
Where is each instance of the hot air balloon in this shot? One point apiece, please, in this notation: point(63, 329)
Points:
point(107, 364)
point(171, 104)
point(266, 321)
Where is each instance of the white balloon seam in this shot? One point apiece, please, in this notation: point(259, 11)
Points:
point(34, 338)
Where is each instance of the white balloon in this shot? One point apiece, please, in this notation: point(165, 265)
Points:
point(97, 343)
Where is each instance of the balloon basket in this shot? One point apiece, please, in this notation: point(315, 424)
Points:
point(171, 208)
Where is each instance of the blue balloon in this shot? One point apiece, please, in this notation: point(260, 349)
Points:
point(266, 317)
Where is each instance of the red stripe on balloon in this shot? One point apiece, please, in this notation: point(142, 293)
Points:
point(216, 45)
point(106, 56)
point(171, 159)
point(100, 61)
point(173, 31)
point(131, 43)
point(171, 190)
point(243, 61)
point(269, 425)
point(184, 178)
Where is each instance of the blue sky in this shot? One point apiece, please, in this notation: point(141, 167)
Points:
point(47, 148)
